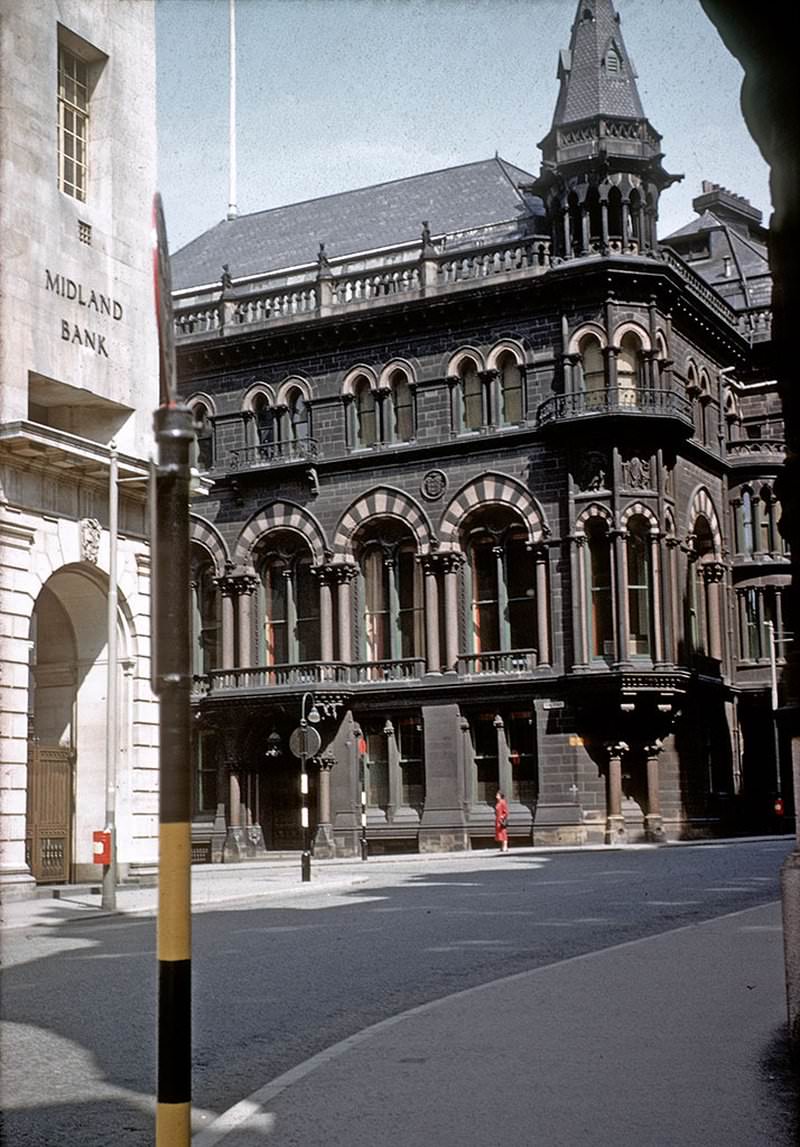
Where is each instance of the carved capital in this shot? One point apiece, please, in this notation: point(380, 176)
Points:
point(713, 572)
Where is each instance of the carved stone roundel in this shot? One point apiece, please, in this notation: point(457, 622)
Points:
point(434, 485)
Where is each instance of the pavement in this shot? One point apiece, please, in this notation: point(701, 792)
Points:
point(668, 1041)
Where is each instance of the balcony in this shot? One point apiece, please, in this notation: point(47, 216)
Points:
point(272, 454)
point(512, 661)
point(755, 451)
point(401, 669)
point(259, 678)
point(626, 402)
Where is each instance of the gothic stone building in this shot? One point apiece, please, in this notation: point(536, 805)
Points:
point(492, 494)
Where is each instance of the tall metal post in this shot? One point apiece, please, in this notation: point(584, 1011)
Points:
point(109, 895)
point(174, 434)
point(172, 675)
point(773, 695)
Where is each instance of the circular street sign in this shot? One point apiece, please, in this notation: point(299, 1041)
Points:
point(305, 741)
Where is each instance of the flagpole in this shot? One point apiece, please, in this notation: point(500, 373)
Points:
point(233, 210)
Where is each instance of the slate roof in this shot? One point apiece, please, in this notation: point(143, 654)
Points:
point(749, 283)
point(454, 199)
point(588, 88)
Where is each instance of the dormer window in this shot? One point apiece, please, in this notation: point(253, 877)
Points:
point(613, 61)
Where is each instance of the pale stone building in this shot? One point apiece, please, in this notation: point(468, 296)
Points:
point(78, 381)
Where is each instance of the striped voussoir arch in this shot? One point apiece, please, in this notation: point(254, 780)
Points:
point(701, 505)
point(210, 539)
point(593, 511)
point(638, 509)
point(384, 502)
point(491, 489)
point(280, 516)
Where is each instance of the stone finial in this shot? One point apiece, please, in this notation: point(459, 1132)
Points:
point(427, 242)
point(323, 262)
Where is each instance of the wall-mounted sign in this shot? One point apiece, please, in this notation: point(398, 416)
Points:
point(96, 303)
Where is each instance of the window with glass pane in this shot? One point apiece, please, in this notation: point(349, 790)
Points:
point(521, 588)
point(520, 738)
point(306, 591)
point(403, 413)
point(275, 623)
point(472, 392)
point(264, 420)
point(747, 522)
point(693, 591)
point(205, 777)
point(365, 413)
point(511, 388)
point(628, 369)
point(73, 123)
point(409, 594)
point(484, 744)
point(639, 581)
point(376, 604)
point(599, 569)
point(409, 743)
point(752, 618)
point(204, 440)
point(377, 769)
point(206, 614)
point(298, 416)
point(485, 605)
point(765, 544)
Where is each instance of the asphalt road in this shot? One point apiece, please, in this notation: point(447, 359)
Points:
point(275, 983)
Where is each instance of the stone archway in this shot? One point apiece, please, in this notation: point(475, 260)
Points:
point(67, 706)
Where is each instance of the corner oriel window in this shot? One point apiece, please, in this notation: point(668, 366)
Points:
point(73, 123)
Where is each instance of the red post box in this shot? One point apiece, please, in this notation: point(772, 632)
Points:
point(101, 847)
point(778, 806)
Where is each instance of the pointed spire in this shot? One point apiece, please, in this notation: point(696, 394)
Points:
point(596, 72)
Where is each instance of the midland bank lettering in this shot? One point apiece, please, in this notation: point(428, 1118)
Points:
point(93, 301)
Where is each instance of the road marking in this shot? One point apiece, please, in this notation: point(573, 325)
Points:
point(253, 1106)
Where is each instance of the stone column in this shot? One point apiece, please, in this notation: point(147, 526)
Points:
point(580, 621)
point(325, 612)
point(454, 395)
point(345, 574)
point(227, 592)
point(585, 233)
point(604, 226)
point(626, 224)
point(491, 396)
point(615, 822)
point(245, 588)
point(542, 612)
point(611, 353)
point(324, 847)
point(653, 826)
point(393, 767)
point(429, 569)
point(658, 611)
point(452, 564)
point(621, 595)
point(713, 575)
point(505, 778)
point(503, 626)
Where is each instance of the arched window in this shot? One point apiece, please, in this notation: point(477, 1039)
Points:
point(697, 588)
point(472, 396)
point(615, 214)
point(364, 398)
point(298, 416)
point(613, 61)
point(392, 597)
point(768, 534)
point(402, 428)
point(205, 613)
point(593, 375)
point(288, 603)
point(510, 377)
point(640, 587)
point(601, 617)
point(263, 419)
point(502, 580)
point(204, 444)
point(628, 368)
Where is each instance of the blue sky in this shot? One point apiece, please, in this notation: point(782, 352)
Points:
point(336, 94)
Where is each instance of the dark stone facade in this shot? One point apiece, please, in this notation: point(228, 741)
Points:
point(501, 502)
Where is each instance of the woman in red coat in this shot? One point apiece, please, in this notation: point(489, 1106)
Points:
point(501, 821)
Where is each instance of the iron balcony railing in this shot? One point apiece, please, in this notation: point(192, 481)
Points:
point(626, 400)
point(270, 453)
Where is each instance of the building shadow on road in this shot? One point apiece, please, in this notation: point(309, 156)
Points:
point(780, 1074)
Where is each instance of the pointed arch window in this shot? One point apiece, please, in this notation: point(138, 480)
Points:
point(640, 587)
point(613, 61)
point(698, 589)
point(204, 437)
point(263, 419)
point(298, 416)
point(474, 406)
point(592, 375)
point(747, 533)
point(601, 619)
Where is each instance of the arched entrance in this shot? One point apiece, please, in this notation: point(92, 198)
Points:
point(67, 723)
